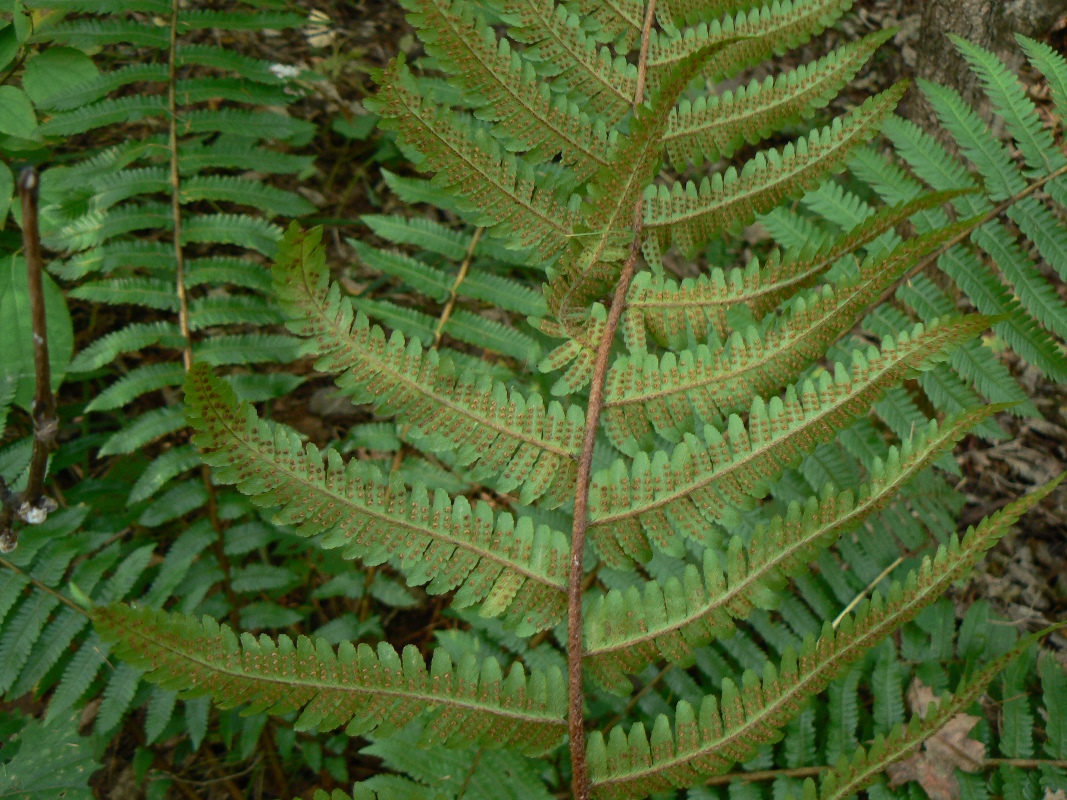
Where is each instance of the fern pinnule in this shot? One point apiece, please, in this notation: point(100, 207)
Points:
point(511, 569)
point(364, 690)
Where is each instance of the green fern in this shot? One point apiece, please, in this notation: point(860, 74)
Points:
point(769, 515)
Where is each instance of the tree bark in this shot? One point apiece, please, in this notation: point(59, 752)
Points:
point(991, 24)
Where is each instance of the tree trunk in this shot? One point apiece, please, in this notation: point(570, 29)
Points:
point(991, 24)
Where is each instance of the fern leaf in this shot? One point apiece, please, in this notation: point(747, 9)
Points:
point(230, 20)
point(256, 194)
point(685, 216)
point(247, 348)
point(661, 498)
point(591, 267)
point(560, 47)
point(147, 428)
point(207, 312)
point(510, 435)
point(645, 393)
point(135, 383)
point(500, 189)
point(715, 126)
point(729, 728)
point(509, 568)
point(134, 337)
point(670, 310)
point(118, 186)
point(90, 34)
point(626, 632)
point(1014, 107)
point(367, 691)
point(269, 125)
point(504, 88)
point(760, 33)
point(103, 113)
point(156, 475)
point(418, 232)
point(222, 270)
point(227, 154)
point(223, 58)
point(251, 233)
point(619, 19)
point(146, 292)
point(691, 12)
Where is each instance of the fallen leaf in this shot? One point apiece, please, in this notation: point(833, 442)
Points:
point(942, 754)
point(1059, 794)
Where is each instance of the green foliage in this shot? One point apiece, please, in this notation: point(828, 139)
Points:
point(41, 760)
point(770, 522)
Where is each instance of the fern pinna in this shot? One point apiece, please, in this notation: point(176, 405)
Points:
point(703, 440)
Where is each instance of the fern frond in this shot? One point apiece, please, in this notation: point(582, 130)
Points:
point(509, 435)
point(560, 47)
point(685, 216)
point(730, 728)
point(662, 499)
point(367, 691)
point(511, 569)
point(223, 270)
point(504, 88)
point(230, 20)
point(499, 189)
point(646, 393)
point(714, 126)
point(243, 309)
point(243, 230)
point(668, 620)
point(760, 33)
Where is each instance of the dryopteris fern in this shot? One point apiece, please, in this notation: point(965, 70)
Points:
point(749, 430)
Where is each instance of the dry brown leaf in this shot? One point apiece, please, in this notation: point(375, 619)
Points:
point(1059, 794)
point(942, 754)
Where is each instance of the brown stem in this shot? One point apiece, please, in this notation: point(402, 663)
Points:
point(452, 292)
point(175, 187)
point(576, 694)
point(30, 505)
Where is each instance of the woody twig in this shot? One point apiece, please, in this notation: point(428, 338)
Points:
point(31, 505)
